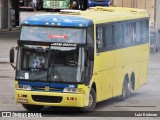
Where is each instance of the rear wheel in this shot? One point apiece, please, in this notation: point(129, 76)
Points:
point(126, 90)
point(32, 107)
point(156, 50)
point(92, 102)
point(129, 88)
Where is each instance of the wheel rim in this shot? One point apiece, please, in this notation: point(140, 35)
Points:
point(130, 86)
point(124, 91)
point(90, 100)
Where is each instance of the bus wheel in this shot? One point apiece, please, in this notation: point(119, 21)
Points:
point(156, 50)
point(32, 107)
point(92, 102)
point(124, 90)
point(129, 89)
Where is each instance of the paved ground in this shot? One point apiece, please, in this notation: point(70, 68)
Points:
point(145, 99)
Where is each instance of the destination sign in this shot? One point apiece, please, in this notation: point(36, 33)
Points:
point(57, 36)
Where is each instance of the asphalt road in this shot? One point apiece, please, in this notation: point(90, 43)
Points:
point(147, 98)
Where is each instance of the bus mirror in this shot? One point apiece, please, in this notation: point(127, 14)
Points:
point(12, 55)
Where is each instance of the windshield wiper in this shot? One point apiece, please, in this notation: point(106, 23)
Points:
point(41, 78)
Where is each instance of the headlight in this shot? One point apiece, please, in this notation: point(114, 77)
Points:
point(23, 87)
point(70, 90)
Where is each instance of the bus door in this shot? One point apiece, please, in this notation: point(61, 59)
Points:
point(104, 62)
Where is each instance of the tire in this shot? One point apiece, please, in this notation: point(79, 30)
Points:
point(126, 90)
point(156, 50)
point(92, 102)
point(129, 88)
point(32, 107)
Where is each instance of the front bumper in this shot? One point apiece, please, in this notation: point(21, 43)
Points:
point(64, 99)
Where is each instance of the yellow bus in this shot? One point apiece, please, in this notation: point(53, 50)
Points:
point(79, 58)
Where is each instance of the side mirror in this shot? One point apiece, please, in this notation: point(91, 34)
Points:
point(12, 55)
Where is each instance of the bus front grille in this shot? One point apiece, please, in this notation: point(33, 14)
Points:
point(48, 99)
point(43, 88)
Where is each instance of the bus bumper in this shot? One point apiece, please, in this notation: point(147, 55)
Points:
point(51, 98)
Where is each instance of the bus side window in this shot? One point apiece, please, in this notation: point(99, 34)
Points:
point(138, 33)
point(118, 30)
point(145, 29)
point(108, 37)
point(127, 34)
point(134, 32)
point(99, 39)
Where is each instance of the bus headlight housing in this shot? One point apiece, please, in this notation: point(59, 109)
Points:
point(70, 90)
point(23, 87)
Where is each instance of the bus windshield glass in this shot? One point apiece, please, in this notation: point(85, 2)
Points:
point(53, 34)
point(50, 63)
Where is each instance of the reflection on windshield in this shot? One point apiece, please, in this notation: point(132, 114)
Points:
point(34, 63)
point(50, 34)
point(66, 64)
point(60, 64)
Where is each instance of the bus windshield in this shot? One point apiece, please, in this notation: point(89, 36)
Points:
point(53, 34)
point(50, 63)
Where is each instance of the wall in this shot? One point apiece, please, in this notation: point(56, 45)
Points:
point(149, 5)
point(3, 14)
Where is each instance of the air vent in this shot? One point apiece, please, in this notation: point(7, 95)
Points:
point(99, 8)
point(47, 99)
point(70, 12)
point(138, 11)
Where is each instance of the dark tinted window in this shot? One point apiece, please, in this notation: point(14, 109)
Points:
point(145, 29)
point(108, 36)
point(104, 37)
point(128, 33)
point(122, 34)
point(118, 32)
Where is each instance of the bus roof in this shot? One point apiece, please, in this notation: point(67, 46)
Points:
point(58, 20)
point(86, 18)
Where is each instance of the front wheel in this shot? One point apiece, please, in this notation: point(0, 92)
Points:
point(32, 107)
point(92, 102)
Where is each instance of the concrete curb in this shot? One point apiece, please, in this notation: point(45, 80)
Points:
point(10, 29)
point(4, 60)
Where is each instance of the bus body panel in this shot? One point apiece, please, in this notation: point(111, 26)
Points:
point(104, 70)
point(124, 63)
point(81, 99)
point(79, 102)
